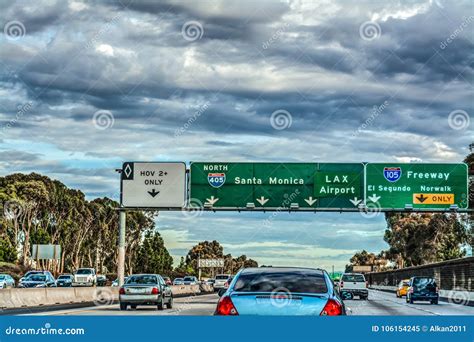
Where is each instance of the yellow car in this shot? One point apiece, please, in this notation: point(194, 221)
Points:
point(403, 288)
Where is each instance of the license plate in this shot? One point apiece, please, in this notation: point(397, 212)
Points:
point(137, 291)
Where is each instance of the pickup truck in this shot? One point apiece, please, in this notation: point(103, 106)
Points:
point(355, 284)
point(85, 277)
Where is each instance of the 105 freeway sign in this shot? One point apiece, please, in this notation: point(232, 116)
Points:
point(395, 185)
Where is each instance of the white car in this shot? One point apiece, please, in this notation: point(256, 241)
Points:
point(85, 277)
point(6, 281)
point(220, 281)
point(190, 280)
point(354, 284)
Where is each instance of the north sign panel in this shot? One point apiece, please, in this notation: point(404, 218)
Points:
point(276, 185)
point(424, 186)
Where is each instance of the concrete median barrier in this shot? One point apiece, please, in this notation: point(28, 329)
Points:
point(23, 298)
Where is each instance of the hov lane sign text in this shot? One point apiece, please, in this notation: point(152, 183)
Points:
point(153, 185)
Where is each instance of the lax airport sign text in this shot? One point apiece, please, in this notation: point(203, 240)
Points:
point(294, 186)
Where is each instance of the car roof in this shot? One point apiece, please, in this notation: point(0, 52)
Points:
point(281, 269)
point(352, 273)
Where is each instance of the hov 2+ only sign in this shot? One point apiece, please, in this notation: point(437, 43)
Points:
point(394, 185)
point(153, 185)
point(277, 185)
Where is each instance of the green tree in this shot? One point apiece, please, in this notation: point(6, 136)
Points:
point(7, 251)
point(417, 239)
point(152, 256)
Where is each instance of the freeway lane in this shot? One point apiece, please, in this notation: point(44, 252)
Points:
point(202, 305)
point(385, 303)
point(379, 303)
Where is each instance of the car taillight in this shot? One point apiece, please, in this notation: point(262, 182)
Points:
point(332, 308)
point(342, 284)
point(155, 290)
point(225, 307)
point(436, 289)
point(411, 289)
point(122, 290)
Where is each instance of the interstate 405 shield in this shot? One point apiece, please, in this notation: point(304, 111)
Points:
point(396, 186)
point(276, 185)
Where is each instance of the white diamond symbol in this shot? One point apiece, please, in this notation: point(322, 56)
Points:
point(128, 170)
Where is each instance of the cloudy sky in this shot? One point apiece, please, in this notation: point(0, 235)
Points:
point(87, 85)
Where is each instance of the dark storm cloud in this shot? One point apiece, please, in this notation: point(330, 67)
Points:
point(171, 98)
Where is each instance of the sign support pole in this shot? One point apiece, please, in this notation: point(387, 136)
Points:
point(121, 248)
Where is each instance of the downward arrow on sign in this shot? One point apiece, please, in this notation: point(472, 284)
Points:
point(355, 201)
point(310, 200)
point(374, 198)
point(212, 200)
point(153, 193)
point(422, 198)
point(262, 200)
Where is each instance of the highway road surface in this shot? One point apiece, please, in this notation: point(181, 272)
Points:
point(379, 303)
point(385, 303)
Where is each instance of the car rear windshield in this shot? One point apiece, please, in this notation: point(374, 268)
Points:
point(222, 277)
point(358, 278)
point(64, 277)
point(424, 282)
point(188, 278)
point(37, 277)
point(142, 280)
point(84, 271)
point(295, 282)
point(2, 277)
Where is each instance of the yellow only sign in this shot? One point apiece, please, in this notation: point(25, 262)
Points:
point(433, 198)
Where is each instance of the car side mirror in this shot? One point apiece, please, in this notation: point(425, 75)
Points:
point(221, 292)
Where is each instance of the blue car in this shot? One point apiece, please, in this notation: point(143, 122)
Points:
point(287, 291)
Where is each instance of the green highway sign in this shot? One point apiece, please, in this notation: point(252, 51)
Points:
point(276, 185)
point(398, 185)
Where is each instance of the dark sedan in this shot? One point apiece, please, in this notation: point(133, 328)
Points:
point(64, 280)
point(422, 288)
point(38, 280)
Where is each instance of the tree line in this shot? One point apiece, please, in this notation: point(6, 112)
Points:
point(38, 210)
